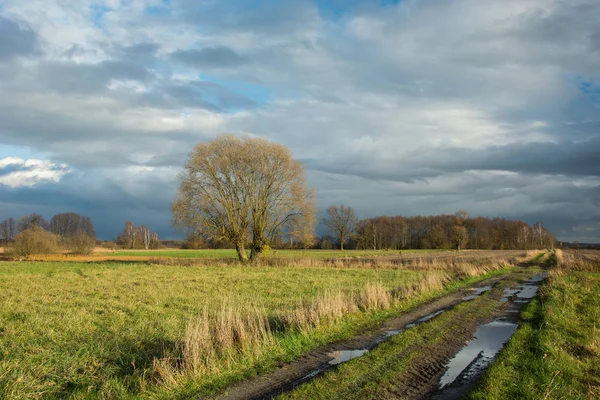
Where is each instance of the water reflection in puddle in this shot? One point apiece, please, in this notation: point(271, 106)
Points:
point(525, 292)
point(539, 277)
point(393, 332)
point(480, 352)
point(425, 319)
point(468, 364)
point(472, 359)
point(508, 293)
point(477, 292)
point(342, 356)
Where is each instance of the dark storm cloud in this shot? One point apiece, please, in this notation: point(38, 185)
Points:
point(106, 200)
point(210, 57)
point(16, 39)
point(564, 158)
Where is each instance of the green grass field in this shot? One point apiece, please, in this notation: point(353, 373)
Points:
point(230, 253)
point(95, 330)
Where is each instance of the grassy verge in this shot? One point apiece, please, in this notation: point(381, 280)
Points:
point(555, 354)
point(119, 330)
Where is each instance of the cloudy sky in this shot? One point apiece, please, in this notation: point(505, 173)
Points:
point(394, 107)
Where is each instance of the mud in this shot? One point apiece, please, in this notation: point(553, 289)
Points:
point(444, 370)
point(471, 361)
point(316, 362)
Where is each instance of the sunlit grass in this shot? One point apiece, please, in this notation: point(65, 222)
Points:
point(230, 253)
point(109, 330)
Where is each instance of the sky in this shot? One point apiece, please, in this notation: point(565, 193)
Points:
point(410, 107)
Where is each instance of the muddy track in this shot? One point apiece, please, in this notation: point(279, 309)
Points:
point(424, 373)
point(422, 376)
point(421, 379)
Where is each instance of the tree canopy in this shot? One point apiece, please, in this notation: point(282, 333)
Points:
point(244, 191)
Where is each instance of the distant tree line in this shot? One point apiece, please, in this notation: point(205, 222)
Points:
point(456, 231)
point(140, 237)
point(33, 234)
point(77, 234)
point(64, 225)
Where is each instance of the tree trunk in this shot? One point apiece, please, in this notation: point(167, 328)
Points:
point(255, 253)
point(241, 252)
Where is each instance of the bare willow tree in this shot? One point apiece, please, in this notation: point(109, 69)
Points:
point(342, 221)
point(8, 230)
point(459, 231)
point(243, 190)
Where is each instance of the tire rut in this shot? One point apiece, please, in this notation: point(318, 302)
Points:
point(316, 362)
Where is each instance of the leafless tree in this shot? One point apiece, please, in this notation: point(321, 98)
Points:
point(460, 236)
point(145, 235)
point(72, 224)
point(32, 221)
point(140, 237)
point(127, 240)
point(461, 217)
point(12, 229)
point(342, 221)
point(7, 230)
point(540, 232)
point(243, 190)
point(459, 231)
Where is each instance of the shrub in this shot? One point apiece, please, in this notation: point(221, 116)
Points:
point(110, 245)
point(326, 245)
point(34, 241)
point(81, 243)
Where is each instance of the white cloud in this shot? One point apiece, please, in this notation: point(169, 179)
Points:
point(28, 173)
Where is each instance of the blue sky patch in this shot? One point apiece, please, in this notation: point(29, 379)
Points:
point(97, 12)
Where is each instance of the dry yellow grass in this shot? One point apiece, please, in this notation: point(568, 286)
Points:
point(244, 331)
point(578, 260)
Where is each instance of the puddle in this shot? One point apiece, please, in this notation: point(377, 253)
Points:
point(473, 359)
point(477, 292)
point(508, 293)
point(479, 352)
point(539, 277)
point(524, 292)
point(341, 356)
point(469, 363)
point(425, 319)
point(393, 332)
point(527, 292)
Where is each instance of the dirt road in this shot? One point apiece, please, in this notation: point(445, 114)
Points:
point(459, 317)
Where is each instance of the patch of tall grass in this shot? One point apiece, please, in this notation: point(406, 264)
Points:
point(578, 260)
point(231, 334)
